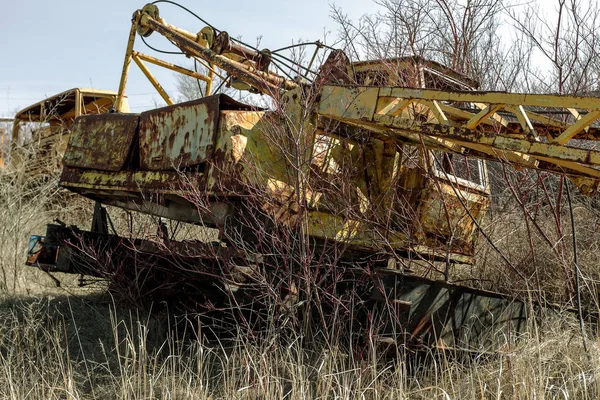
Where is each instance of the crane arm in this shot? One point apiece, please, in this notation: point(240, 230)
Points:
point(527, 130)
point(518, 128)
point(218, 50)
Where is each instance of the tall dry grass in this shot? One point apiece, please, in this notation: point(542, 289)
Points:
point(27, 203)
point(80, 343)
point(89, 348)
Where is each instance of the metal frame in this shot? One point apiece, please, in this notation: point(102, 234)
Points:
point(505, 128)
point(146, 21)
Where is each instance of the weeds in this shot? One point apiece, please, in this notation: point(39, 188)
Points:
point(73, 343)
point(88, 347)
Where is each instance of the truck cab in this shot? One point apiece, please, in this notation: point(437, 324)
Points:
point(41, 131)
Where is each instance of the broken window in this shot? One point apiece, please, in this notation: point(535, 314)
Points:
point(464, 169)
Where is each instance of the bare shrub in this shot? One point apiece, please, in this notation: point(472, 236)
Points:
point(28, 201)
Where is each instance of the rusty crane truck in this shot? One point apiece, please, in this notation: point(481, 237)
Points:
point(369, 163)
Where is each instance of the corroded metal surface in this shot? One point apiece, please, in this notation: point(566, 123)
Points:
point(135, 181)
point(42, 130)
point(527, 138)
point(405, 310)
point(180, 136)
point(174, 168)
point(77, 245)
point(113, 134)
point(440, 314)
point(444, 220)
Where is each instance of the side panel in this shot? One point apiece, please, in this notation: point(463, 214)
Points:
point(443, 220)
point(443, 315)
point(101, 141)
point(178, 136)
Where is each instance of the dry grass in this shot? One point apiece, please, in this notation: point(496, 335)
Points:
point(79, 343)
point(87, 347)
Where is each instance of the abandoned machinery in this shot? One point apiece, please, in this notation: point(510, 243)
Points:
point(362, 165)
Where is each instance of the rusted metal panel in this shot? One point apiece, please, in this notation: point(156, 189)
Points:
point(118, 181)
point(444, 315)
point(238, 149)
point(444, 222)
point(101, 142)
point(178, 136)
point(167, 194)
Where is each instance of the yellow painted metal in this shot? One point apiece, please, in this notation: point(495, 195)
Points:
point(515, 99)
point(78, 103)
point(197, 46)
point(493, 116)
point(172, 67)
point(146, 21)
point(196, 37)
point(486, 112)
point(524, 120)
point(437, 111)
point(152, 80)
point(583, 169)
point(581, 124)
point(126, 63)
point(395, 107)
point(369, 218)
point(210, 67)
point(206, 36)
point(122, 180)
point(209, 83)
point(457, 113)
point(42, 149)
point(243, 139)
point(266, 82)
point(487, 132)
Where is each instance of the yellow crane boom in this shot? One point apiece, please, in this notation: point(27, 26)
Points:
point(527, 130)
point(502, 127)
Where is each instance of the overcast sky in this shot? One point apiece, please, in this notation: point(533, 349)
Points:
point(51, 46)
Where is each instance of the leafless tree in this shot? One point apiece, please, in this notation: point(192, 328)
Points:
point(567, 43)
point(463, 35)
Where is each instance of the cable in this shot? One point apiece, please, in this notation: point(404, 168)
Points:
point(220, 86)
point(489, 240)
point(295, 63)
point(198, 80)
point(188, 10)
point(577, 283)
point(282, 71)
point(317, 43)
point(233, 39)
point(277, 62)
point(158, 50)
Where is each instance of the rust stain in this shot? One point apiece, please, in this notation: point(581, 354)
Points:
point(101, 142)
point(176, 137)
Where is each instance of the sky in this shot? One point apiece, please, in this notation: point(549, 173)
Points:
point(51, 46)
